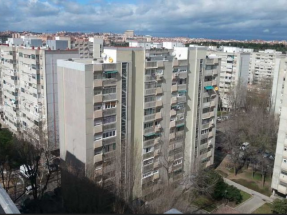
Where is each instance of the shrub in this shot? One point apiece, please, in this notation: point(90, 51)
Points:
point(279, 206)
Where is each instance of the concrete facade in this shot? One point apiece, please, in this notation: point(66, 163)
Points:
point(164, 115)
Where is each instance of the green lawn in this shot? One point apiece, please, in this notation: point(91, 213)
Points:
point(264, 209)
point(253, 186)
point(245, 196)
point(204, 203)
point(257, 176)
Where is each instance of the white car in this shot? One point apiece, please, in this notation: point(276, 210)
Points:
point(24, 170)
point(244, 146)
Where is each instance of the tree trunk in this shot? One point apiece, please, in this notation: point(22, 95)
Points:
point(263, 178)
point(253, 173)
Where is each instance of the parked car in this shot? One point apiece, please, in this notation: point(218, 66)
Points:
point(244, 146)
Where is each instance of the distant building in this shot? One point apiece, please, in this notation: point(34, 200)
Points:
point(129, 33)
point(171, 45)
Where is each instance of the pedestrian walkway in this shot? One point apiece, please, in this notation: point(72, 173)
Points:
point(256, 201)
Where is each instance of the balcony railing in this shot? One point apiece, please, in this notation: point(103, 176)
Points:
point(151, 64)
point(109, 97)
point(108, 112)
point(149, 117)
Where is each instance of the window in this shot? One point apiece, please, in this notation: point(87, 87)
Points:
point(97, 122)
point(98, 151)
point(205, 131)
point(109, 119)
point(148, 161)
point(182, 81)
point(97, 75)
point(177, 162)
point(97, 106)
point(148, 124)
point(148, 149)
point(108, 134)
point(109, 90)
point(97, 91)
point(149, 111)
point(97, 137)
point(150, 85)
point(149, 98)
point(109, 105)
point(148, 174)
point(203, 141)
point(110, 147)
point(110, 75)
point(206, 110)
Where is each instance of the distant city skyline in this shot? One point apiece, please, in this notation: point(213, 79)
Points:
point(225, 19)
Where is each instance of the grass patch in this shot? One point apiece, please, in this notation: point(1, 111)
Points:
point(264, 209)
point(205, 203)
point(257, 176)
point(221, 112)
point(253, 186)
point(220, 172)
point(245, 196)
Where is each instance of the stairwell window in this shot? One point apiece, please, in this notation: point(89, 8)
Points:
point(148, 149)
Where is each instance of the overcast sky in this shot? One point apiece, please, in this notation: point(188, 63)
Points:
point(218, 19)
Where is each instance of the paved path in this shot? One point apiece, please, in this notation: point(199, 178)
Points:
point(254, 202)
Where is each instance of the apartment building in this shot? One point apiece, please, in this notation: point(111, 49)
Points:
point(83, 46)
point(279, 178)
point(30, 91)
point(262, 65)
point(278, 83)
point(234, 71)
point(142, 121)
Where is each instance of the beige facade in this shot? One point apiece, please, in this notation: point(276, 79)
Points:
point(164, 110)
point(84, 48)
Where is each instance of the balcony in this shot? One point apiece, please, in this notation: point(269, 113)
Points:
point(98, 158)
point(182, 75)
point(282, 189)
point(151, 64)
point(98, 83)
point(284, 154)
point(207, 83)
point(175, 75)
point(283, 178)
point(156, 176)
point(149, 104)
point(172, 112)
point(209, 154)
point(159, 77)
point(181, 99)
point(175, 62)
point(179, 133)
point(211, 123)
point(98, 98)
point(205, 126)
point(160, 64)
point(98, 129)
point(158, 128)
point(284, 166)
point(158, 90)
point(205, 115)
point(206, 104)
point(98, 143)
point(214, 83)
point(98, 114)
point(181, 87)
point(156, 165)
point(151, 91)
point(148, 155)
point(171, 136)
point(215, 72)
point(149, 117)
point(110, 81)
point(149, 130)
point(212, 103)
point(208, 72)
point(109, 126)
point(173, 100)
point(172, 124)
point(158, 116)
point(210, 134)
point(108, 112)
point(109, 97)
point(174, 88)
point(158, 103)
point(156, 152)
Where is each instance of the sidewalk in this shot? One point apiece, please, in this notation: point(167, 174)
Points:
point(256, 201)
point(247, 190)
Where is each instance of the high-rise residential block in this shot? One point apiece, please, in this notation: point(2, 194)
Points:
point(29, 85)
point(234, 71)
point(139, 117)
point(279, 177)
point(262, 65)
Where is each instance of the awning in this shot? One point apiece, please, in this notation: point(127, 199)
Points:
point(209, 87)
point(179, 125)
point(182, 91)
point(110, 72)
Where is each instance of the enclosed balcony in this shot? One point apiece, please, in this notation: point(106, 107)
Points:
point(98, 129)
point(158, 116)
point(98, 82)
point(172, 124)
point(158, 103)
point(98, 143)
point(98, 158)
point(174, 88)
point(98, 98)
point(284, 166)
point(283, 178)
point(158, 90)
point(173, 100)
point(98, 113)
point(282, 189)
point(172, 112)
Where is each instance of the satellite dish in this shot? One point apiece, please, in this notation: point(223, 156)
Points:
point(173, 54)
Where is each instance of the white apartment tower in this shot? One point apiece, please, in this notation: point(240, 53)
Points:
point(30, 91)
point(142, 117)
